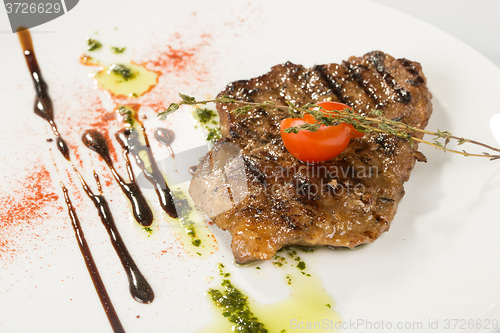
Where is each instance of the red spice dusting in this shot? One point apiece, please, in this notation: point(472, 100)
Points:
point(23, 209)
point(108, 179)
point(75, 151)
point(177, 59)
point(182, 67)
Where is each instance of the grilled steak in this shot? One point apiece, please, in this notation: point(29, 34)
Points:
point(254, 188)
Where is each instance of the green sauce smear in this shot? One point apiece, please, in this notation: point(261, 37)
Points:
point(93, 45)
point(308, 303)
point(206, 116)
point(234, 306)
point(185, 210)
point(122, 70)
point(209, 120)
point(118, 50)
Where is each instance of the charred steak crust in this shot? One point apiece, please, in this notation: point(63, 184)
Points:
point(345, 202)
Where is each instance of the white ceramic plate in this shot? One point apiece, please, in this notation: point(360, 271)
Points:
point(437, 264)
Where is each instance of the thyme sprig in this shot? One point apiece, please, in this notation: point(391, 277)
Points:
point(374, 122)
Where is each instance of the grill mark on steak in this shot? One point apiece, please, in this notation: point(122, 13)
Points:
point(377, 59)
point(344, 202)
point(418, 79)
point(332, 84)
point(253, 167)
point(359, 74)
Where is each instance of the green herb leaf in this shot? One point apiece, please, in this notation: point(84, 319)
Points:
point(187, 99)
point(171, 109)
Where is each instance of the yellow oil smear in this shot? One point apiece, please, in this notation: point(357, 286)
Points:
point(309, 308)
point(126, 80)
point(191, 227)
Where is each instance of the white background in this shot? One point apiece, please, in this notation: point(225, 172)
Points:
point(475, 22)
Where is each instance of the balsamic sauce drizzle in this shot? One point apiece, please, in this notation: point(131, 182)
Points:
point(91, 266)
point(43, 103)
point(140, 289)
point(95, 141)
point(130, 143)
point(165, 136)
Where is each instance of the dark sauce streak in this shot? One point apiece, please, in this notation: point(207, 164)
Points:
point(91, 266)
point(95, 141)
point(63, 147)
point(165, 137)
point(129, 140)
point(139, 288)
point(43, 103)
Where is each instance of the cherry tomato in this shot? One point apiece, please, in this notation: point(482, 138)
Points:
point(320, 146)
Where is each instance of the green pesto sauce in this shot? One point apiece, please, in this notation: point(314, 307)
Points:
point(191, 227)
point(93, 45)
point(308, 303)
point(209, 120)
point(234, 306)
point(184, 209)
point(118, 50)
point(214, 134)
point(291, 252)
point(148, 230)
point(278, 260)
point(122, 70)
point(206, 116)
point(127, 113)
